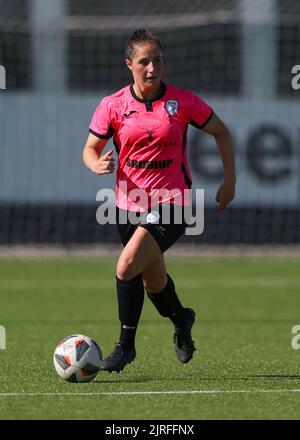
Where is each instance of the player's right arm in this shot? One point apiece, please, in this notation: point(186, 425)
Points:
point(92, 156)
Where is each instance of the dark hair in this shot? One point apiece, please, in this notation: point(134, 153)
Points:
point(140, 36)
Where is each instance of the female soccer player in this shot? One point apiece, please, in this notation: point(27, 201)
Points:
point(148, 121)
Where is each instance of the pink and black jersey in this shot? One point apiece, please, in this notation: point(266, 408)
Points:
point(150, 137)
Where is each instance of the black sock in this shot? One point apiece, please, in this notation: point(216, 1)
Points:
point(167, 303)
point(130, 302)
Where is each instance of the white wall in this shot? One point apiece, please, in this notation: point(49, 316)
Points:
point(42, 136)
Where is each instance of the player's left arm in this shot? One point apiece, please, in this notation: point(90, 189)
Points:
point(218, 129)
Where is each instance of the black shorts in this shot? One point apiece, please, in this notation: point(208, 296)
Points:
point(166, 224)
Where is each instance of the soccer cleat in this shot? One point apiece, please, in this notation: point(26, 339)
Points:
point(184, 345)
point(117, 360)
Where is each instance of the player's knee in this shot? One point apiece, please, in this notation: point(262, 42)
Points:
point(154, 285)
point(126, 268)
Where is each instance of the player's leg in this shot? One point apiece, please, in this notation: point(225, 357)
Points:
point(141, 250)
point(161, 291)
point(137, 254)
point(155, 276)
point(142, 253)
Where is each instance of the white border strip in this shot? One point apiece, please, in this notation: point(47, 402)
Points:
point(146, 393)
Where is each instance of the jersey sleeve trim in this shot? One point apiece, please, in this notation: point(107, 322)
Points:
point(194, 124)
point(103, 136)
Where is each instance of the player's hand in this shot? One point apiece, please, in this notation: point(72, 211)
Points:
point(105, 164)
point(225, 194)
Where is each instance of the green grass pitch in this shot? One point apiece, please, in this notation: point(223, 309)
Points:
point(244, 366)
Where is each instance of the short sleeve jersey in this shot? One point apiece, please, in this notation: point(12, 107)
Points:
point(150, 137)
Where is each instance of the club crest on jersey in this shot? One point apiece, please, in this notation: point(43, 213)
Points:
point(172, 107)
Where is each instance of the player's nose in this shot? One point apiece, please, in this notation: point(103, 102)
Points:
point(151, 67)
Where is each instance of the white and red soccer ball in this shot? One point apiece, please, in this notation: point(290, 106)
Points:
point(77, 358)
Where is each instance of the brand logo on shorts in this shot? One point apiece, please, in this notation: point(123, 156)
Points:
point(161, 229)
point(172, 107)
point(153, 217)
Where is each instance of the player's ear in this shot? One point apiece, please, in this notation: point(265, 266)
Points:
point(128, 63)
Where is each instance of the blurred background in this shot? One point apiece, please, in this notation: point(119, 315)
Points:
point(61, 58)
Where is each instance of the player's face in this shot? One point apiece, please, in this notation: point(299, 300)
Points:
point(146, 65)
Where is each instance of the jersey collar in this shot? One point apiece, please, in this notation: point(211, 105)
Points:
point(162, 91)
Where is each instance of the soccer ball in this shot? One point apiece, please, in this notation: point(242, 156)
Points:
point(77, 358)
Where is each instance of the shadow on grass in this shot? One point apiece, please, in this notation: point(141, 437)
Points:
point(186, 378)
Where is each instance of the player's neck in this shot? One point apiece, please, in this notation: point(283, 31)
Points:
point(147, 93)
